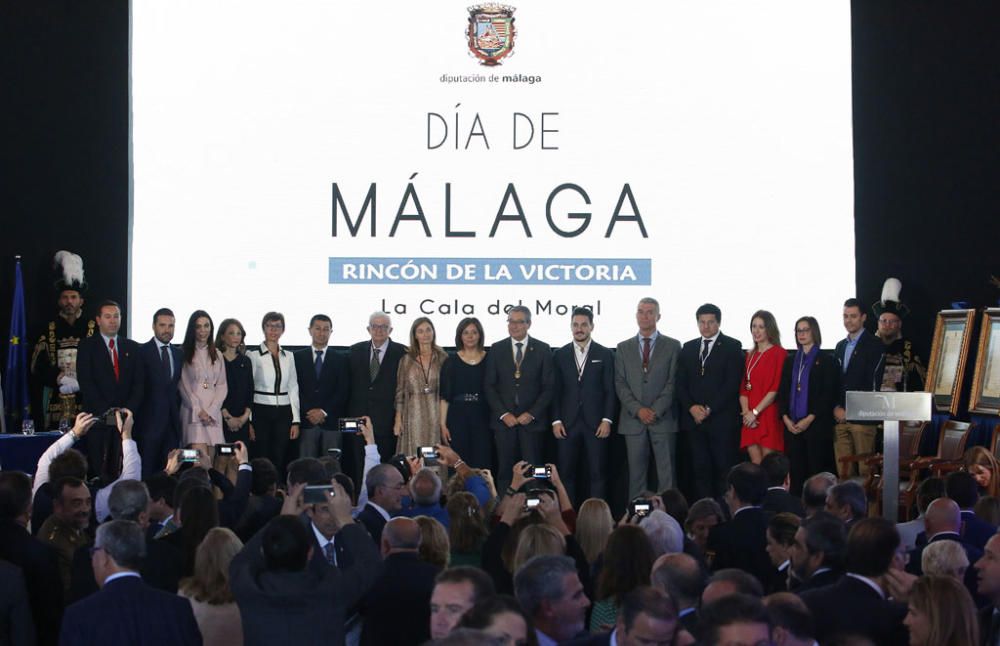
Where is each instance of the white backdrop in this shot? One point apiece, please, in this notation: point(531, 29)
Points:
point(729, 121)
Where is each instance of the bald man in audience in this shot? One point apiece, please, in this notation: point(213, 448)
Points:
point(814, 492)
point(680, 576)
point(397, 608)
point(728, 582)
point(943, 522)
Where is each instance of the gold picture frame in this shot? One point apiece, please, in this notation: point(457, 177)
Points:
point(985, 397)
point(949, 354)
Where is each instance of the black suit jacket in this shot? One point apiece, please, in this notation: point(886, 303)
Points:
point(376, 399)
point(329, 392)
point(777, 501)
point(600, 639)
point(975, 530)
point(742, 543)
point(533, 389)
point(127, 611)
point(161, 569)
point(305, 608)
point(972, 553)
point(40, 566)
point(851, 606)
point(818, 580)
point(591, 397)
point(397, 608)
point(96, 374)
point(16, 625)
point(372, 521)
point(160, 410)
point(824, 390)
point(861, 369)
point(718, 388)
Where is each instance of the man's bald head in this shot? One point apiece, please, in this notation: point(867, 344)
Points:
point(680, 576)
point(400, 535)
point(943, 515)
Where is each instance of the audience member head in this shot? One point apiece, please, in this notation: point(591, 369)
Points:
point(286, 544)
point(15, 497)
point(466, 529)
point(735, 619)
point(68, 464)
point(210, 583)
point(199, 512)
point(309, 471)
point(628, 561)
point(129, 500)
point(988, 571)
point(646, 616)
point(345, 481)
point(196, 474)
point(702, 517)
point(434, 547)
point(941, 613)
point(791, 622)
point(819, 543)
point(536, 540)
point(71, 502)
point(777, 468)
point(962, 488)
point(120, 546)
point(385, 487)
point(988, 509)
point(425, 487)
point(162, 489)
point(499, 616)
point(331, 466)
point(184, 486)
point(400, 535)
point(681, 577)
point(664, 533)
point(942, 515)
point(551, 595)
point(513, 540)
point(746, 486)
point(456, 590)
point(730, 581)
point(781, 536)
point(929, 490)
point(847, 501)
point(593, 527)
point(265, 477)
point(323, 518)
point(983, 466)
point(871, 546)
point(814, 491)
point(675, 504)
point(944, 558)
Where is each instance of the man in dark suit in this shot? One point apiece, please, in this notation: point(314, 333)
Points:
point(287, 598)
point(323, 388)
point(158, 424)
point(38, 561)
point(742, 542)
point(777, 499)
point(817, 554)
point(961, 487)
point(857, 603)
point(943, 522)
point(847, 501)
point(583, 405)
point(385, 498)
point(519, 383)
point(682, 578)
point(858, 356)
point(16, 626)
point(111, 375)
point(645, 374)
point(397, 607)
point(987, 571)
point(373, 368)
point(708, 378)
point(126, 610)
point(646, 616)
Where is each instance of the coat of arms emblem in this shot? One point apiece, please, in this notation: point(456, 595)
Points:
point(491, 32)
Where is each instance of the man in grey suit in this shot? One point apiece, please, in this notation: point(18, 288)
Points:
point(645, 369)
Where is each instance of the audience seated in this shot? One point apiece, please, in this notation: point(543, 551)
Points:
point(681, 577)
point(781, 530)
point(961, 487)
point(735, 619)
point(814, 491)
point(456, 591)
point(552, 596)
point(466, 529)
point(778, 499)
point(742, 542)
point(943, 523)
point(817, 554)
point(628, 562)
point(941, 613)
point(499, 616)
point(434, 547)
point(208, 589)
point(847, 501)
point(384, 484)
point(858, 602)
point(928, 491)
point(791, 622)
point(126, 610)
point(402, 591)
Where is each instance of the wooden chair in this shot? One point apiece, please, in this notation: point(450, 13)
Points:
point(995, 441)
point(952, 439)
point(911, 434)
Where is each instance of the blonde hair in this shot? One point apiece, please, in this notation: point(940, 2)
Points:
point(944, 558)
point(980, 456)
point(951, 614)
point(434, 546)
point(538, 540)
point(210, 583)
point(593, 527)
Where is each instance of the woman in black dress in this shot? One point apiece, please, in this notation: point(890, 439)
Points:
point(239, 377)
point(464, 411)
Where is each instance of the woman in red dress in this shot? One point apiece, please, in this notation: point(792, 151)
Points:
point(762, 431)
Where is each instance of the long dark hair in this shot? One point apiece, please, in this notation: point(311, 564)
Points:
point(188, 345)
point(199, 514)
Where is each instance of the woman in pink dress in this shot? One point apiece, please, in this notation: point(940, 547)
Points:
point(203, 385)
point(762, 431)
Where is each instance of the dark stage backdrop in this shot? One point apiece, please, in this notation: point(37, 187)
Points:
point(926, 141)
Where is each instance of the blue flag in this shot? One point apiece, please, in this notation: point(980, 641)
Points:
point(15, 387)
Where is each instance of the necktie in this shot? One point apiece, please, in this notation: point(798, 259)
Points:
point(330, 553)
point(373, 366)
point(165, 360)
point(704, 350)
point(519, 355)
point(114, 357)
point(645, 352)
point(319, 363)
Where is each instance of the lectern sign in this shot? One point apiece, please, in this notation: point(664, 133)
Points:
point(879, 407)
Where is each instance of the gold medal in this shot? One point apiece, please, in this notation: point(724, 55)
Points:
point(749, 386)
point(517, 374)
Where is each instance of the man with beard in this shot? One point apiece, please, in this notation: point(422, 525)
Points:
point(53, 361)
point(901, 369)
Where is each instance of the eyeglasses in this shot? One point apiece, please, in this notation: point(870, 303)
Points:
point(803, 330)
